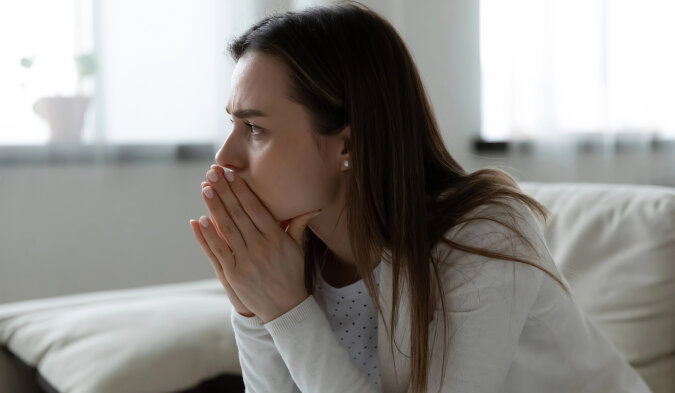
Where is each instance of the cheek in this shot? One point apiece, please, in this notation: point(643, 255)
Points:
point(292, 186)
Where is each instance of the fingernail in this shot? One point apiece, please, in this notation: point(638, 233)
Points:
point(208, 191)
point(204, 221)
point(229, 175)
point(212, 175)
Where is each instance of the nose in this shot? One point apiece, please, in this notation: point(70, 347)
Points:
point(229, 156)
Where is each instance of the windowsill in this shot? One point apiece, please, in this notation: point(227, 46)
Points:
point(87, 154)
point(582, 146)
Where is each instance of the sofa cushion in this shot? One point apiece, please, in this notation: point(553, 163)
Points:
point(155, 339)
point(615, 245)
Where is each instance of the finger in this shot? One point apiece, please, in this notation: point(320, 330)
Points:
point(220, 232)
point(223, 221)
point(216, 244)
point(231, 294)
point(282, 224)
point(257, 212)
point(247, 229)
point(207, 251)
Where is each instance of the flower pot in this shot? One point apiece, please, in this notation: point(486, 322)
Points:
point(65, 116)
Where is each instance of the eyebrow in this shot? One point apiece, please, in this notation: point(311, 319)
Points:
point(241, 113)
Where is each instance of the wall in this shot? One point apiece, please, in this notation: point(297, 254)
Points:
point(70, 229)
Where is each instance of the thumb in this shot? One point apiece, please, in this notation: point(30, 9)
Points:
point(296, 228)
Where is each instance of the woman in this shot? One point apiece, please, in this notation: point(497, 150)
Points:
point(350, 241)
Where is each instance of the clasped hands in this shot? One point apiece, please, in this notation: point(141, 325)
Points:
point(258, 261)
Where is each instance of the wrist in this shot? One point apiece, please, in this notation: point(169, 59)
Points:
point(284, 309)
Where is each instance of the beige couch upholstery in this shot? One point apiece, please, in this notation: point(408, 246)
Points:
point(615, 244)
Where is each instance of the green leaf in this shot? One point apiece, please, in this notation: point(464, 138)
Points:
point(27, 62)
point(85, 65)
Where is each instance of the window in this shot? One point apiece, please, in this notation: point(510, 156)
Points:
point(39, 42)
point(576, 66)
point(160, 69)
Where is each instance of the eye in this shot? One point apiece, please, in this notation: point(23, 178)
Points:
point(252, 126)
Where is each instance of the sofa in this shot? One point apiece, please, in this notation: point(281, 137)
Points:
point(615, 245)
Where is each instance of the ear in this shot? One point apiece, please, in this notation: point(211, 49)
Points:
point(345, 154)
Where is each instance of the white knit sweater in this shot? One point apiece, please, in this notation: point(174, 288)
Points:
point(513, 329)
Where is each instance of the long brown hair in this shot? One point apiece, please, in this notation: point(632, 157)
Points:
point(348, 66)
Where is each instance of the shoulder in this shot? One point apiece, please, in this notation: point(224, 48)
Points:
point(506, 229)
point(496, 226)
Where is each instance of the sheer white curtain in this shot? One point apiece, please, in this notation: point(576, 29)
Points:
point(561, 72)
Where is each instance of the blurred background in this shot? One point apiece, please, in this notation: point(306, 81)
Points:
point(112, 111)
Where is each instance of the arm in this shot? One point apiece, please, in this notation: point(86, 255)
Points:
point(487, 305)
point(484, 329)
point(262, 368)
point(312, 353)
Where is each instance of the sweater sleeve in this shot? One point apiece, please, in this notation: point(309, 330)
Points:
point(262, 368)
point(487, 304)
point(314, 357)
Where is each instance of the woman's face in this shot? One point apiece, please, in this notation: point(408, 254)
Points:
point(291, 169)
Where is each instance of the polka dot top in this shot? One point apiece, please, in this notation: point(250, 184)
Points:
point(353, 319)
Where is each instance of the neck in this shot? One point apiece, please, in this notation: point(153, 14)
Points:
point(331, 227)
point(338, 274)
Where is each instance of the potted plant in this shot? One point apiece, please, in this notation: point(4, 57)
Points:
point(65, 114)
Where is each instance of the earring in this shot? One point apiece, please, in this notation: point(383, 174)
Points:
point(347, 164)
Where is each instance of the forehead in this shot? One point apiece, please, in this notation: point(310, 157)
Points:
point(259, 81)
